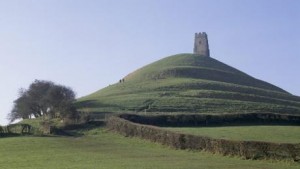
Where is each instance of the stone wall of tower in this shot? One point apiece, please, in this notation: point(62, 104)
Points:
point(201, 44)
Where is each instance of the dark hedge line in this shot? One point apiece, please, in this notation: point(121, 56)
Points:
point(245, 149)
point(15, 129)
point(186, 120)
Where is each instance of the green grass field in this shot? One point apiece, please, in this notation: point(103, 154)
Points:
point(190, 83)
point(100, 149)
point(279, 134)
point(184, 83)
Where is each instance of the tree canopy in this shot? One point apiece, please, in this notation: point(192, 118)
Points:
point(43, 98)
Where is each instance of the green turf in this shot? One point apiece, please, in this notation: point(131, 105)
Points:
point(279, 134)
point(100, 149)
point(190, 83)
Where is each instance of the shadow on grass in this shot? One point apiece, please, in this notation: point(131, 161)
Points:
point(77, 130)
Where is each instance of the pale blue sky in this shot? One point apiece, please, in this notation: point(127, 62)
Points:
point(89, 44)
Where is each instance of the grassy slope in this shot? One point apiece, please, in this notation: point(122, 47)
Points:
point(195, 66)
point(101, 150)
point(279, 134)
point(190, 83)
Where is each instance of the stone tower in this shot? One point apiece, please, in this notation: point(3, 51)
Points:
point(201, 44)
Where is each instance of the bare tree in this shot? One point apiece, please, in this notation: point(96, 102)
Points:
point(43, 98)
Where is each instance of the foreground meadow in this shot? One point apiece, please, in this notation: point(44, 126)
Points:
point(100, 149)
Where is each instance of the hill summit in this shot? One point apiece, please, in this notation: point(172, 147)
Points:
point(192, 83)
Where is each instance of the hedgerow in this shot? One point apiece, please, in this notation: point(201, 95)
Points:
point(247, 149)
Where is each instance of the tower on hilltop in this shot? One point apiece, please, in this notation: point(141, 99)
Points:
point(201, 44)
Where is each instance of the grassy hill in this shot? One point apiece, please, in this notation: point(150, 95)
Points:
point(190, 83)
